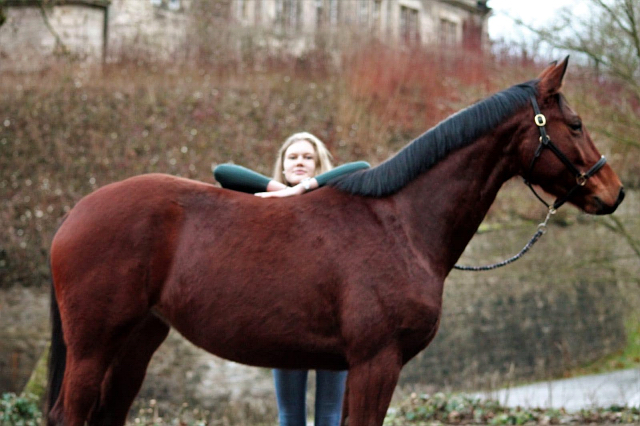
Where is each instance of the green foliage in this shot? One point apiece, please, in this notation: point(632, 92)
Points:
point(19, 410)
point(629, 357)
point(161, 413)
point(150, 415)
point(443, 408)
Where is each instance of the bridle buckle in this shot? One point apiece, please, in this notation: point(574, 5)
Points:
point(581, 179)
point(540, 120)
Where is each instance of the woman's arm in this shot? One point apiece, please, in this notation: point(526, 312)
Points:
point(240, 178)
point(318, 181)
point(345, 169)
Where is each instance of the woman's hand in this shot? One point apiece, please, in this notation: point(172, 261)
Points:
point(289, 191)
point(275, 186)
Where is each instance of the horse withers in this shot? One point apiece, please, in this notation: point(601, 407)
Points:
point(349, 276)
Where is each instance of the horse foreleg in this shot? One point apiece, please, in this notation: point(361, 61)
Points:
point(371, 384)
point(127, 371)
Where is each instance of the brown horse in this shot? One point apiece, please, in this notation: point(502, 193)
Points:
point(347, 277)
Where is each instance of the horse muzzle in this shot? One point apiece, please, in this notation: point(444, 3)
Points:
point(602, 207)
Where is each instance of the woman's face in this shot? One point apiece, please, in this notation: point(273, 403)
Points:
point(299, 162)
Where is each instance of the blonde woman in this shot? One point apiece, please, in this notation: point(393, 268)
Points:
point(303, 164)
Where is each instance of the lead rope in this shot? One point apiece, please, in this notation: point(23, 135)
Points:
point(542, 229)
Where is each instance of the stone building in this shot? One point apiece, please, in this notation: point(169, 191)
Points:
point(31, 34)
point(450, 22)
point(101, 30)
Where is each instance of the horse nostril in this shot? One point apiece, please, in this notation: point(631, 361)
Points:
point(620, 196)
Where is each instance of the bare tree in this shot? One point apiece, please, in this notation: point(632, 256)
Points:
point(609, 36)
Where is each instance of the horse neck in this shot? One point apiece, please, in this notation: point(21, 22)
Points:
point(445, 205)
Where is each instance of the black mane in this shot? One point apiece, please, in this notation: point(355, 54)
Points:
point(455, 132)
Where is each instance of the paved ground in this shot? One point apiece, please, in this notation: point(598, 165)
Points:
point(601, 390)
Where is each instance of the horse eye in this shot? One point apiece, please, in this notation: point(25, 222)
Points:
point(577, 126)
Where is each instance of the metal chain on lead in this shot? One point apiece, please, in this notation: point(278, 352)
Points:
point(542, 229)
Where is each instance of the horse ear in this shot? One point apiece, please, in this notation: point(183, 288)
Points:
point(551, 78)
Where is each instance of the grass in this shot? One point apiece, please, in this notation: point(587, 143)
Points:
point(417, 410)
point(629, 357)
point(462, 409)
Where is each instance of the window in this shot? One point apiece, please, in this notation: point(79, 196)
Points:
point(288, 14)
point(327, 12)
point(243, 12)
point(258, 11)
point(409, 25)
point(448, 32)
point(320, 19)
point(472, 34)
point(377, 15)
point(363, 11)
point(169, 4)
point(333, 12)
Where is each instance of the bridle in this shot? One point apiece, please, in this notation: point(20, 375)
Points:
point(545, 142)
point(581, 180)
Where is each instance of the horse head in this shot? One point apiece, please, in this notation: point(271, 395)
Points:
point(558, 154)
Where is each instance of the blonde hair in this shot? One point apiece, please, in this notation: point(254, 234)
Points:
point(323, 156)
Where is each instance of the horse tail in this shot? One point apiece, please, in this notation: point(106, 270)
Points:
point(57, 353)
point(57, 350)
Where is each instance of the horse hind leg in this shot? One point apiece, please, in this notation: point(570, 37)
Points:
point(126, 373)
point(80, 389)
point(87, 359)
point(92, 344)
point(371, 384)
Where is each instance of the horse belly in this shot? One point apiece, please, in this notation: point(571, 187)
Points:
point(256, 323)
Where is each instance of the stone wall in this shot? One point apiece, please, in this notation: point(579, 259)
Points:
point(27, 44)
point(507, 334)
point(490, 335)
point(24, 333)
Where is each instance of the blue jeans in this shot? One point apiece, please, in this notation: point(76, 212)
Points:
point(291, 391)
